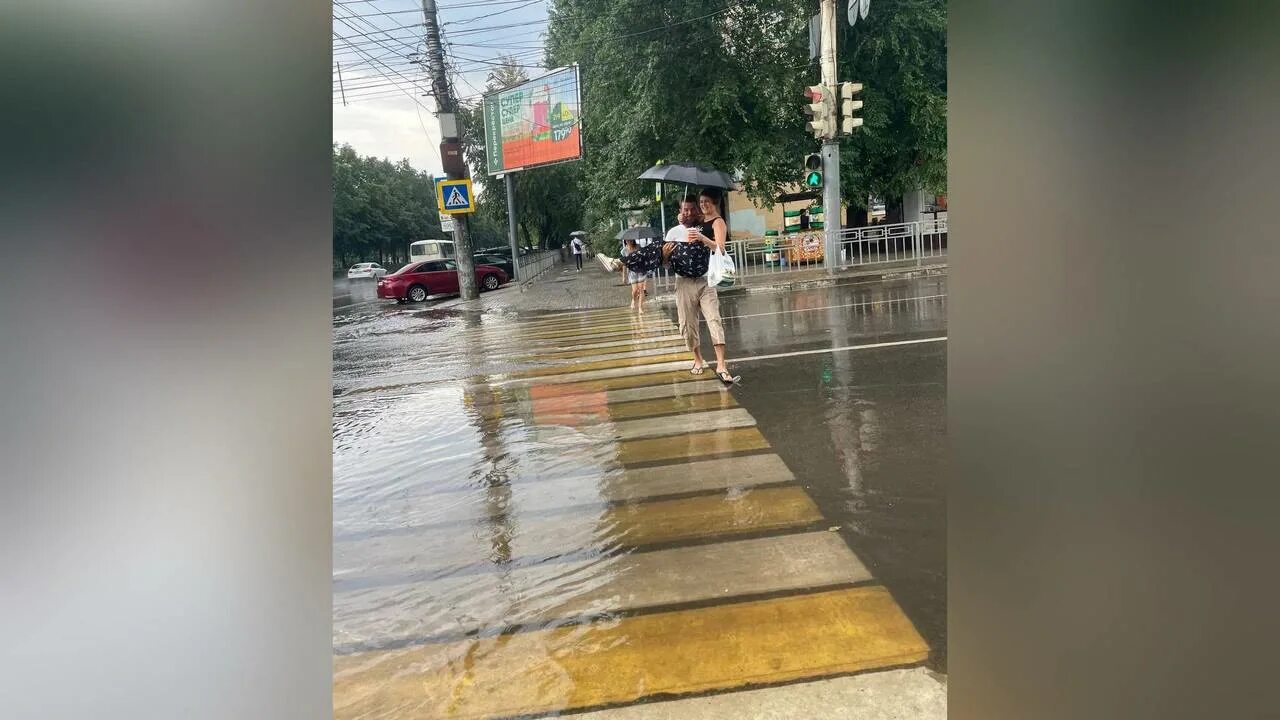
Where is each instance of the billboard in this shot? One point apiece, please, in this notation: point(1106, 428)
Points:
point(535, 123)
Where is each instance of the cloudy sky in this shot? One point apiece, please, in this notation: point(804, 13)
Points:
point(375, 43)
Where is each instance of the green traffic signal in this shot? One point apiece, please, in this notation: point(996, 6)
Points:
point(813, 179)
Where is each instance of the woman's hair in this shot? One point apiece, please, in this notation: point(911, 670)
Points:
point(629, 241)
point(712, 194)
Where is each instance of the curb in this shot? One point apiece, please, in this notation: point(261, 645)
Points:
point(885, 274)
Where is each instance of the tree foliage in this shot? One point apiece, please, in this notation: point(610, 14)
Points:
point(705, 81)
point(549, 198)
point(379, 207)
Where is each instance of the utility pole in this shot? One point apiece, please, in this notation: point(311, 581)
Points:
point(510, 179)
point(830, 144)
point(451, 147)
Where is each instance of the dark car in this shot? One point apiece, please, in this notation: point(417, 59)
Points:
point(504, 251)
point(416, 281)
point(501, 261)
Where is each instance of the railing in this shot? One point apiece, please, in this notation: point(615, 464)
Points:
point(534, 264)
point(910, 243)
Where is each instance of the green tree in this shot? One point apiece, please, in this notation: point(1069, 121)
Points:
point(899, 53)
point(549, 198)
point(705, 81)
point(379, 207)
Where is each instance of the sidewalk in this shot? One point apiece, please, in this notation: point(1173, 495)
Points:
point(564, 288)
point(560, 288)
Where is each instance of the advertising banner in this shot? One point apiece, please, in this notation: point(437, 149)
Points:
point(535, 123)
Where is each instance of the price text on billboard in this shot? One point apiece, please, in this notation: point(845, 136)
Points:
point(536, 123)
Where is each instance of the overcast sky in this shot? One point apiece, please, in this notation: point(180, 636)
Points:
point(384, 115)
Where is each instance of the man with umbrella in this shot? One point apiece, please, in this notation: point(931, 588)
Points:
point(575, 244)
point(688, 247)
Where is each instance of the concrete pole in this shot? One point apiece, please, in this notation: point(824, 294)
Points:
point(445, 104)
point(511, 225)
point(830, 146)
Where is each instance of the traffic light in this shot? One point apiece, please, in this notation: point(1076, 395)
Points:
point(821, 111)
point(849, 106)
point(813, 171)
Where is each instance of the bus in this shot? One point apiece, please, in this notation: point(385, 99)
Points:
point(431, 250)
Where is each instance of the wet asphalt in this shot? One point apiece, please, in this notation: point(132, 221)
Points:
point(863, 430)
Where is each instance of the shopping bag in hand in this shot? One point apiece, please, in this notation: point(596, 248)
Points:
point(721, 271)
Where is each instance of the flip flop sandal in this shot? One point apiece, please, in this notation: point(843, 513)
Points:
point(697, 369)
point(728, 379)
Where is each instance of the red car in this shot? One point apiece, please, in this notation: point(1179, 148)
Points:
point(416, 281)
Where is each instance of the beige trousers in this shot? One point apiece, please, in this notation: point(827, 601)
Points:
point(692, 296)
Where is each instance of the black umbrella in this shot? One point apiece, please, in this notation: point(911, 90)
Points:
point(637, 233)
point(688, 174)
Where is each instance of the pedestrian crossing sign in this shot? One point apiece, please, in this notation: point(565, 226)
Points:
point(455, 197)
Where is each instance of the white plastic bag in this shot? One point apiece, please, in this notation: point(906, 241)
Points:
point(721, 271)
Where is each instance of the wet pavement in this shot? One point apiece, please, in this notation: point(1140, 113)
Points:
point(545, 512)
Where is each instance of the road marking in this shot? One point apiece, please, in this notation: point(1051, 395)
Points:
point(537, 493)
point(579, 352)
point(654, 392)
point(720, 473)
point(605, 374)
point(589, 356)
point(716, 648)
point(914, 693)
point(588, 330)
point(675, 337)
point(595, 433)
point(671, 406)
point(571, 317)
point(689, 422)
point(603, 365)
point(716, 442)
point(613, 380)
point(534, 596)
point(833, 307)
point(572, 409)
point(749, 358)
point(512, 343)
point(389, 557)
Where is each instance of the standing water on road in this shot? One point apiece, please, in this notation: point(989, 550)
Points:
point(546, 512)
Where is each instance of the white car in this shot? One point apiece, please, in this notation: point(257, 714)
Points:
point(366, 270)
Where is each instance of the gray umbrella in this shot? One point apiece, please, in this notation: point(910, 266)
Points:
point(578, 233)
point(637, 233)
point(688, 174)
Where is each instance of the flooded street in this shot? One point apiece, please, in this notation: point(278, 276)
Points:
point(546, 512)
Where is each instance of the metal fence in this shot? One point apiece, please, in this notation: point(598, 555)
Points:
point(912, 243)
point(534, 264)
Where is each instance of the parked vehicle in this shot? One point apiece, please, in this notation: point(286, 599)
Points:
point(500, 261)
point(366, 270)
point(503, 250)
point(425, 250)
point(415, 281)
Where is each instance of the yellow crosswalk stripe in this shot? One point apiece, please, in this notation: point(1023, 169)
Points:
point(665, 326)
point(566, 319)
point(602, 365)
point(711, 516)
point(726, 515)
point(716, 648)
point(629, 381)
point(666, 406)
point(577, 353)
point(693, 445)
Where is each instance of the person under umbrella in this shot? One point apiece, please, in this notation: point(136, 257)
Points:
point(690, 257)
